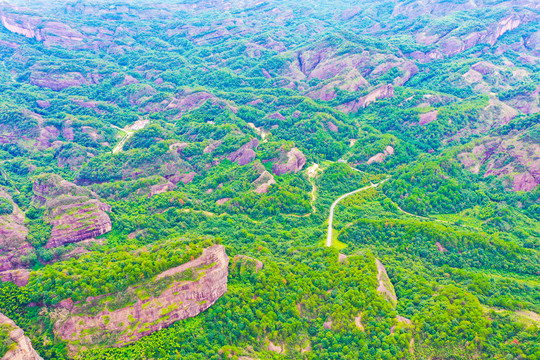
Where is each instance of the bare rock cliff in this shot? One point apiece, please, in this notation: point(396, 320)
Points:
point(382, 92)
point(180, 300)
point(289, 162)
point(74, 212)
point(13, 234)
point(24, 349)
point(245, 154)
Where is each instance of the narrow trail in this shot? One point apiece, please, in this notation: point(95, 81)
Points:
point(331, 216)
point(122, 141)
point(421, 217)
point(129, 130)
point(312, 173)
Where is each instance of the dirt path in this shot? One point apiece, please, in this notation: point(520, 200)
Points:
point(260, 131)
point(312, 173)
point(129, 131)
point(118, 148)
point(331, 216)
point(419, 216)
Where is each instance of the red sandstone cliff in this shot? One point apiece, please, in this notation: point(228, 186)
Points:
point(180, 300)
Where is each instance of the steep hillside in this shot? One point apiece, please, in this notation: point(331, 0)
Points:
point(176, 294)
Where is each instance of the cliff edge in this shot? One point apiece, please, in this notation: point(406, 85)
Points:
point(176, 294)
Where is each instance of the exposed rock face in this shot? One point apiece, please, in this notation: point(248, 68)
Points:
point(74, 212)
point(515, 158)
point(60, 81)
point(190, 101)
point(247, 260)
point(385, 285)
point(21, 24)
point(19, 277)
point(245, 154)
point(332, 127)
point(24, 349)
point(214, 144)
point(180, 300)
point(328, 324)
point(44, 104)
point(382, 92)
point(289, 162)
point(77, 222)
point(48, 32)
point(13, 234)
point(223, 201)
point(428, 117)
point(380, 157)
point(128, 80)
point(507, 24)
point(263, 182)
point(185, 178)
point(161, 188)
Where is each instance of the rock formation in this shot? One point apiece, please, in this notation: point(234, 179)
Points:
point(263, 182)
point(13, 234)
point(385, 285)
point(514, 157)
point(223, 201)
point(60, 81)
point(185, 178)
point(249, 261)
point(245, 154)
point(23, 349)
point(74, 212)
point(382, 92)
point(380, 157)
point(161, 188)
point(428, 117)
point(181, 299)
point(289, 162)
point(19, 277)
point(48, 32)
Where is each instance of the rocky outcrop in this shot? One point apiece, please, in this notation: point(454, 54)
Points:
point(19, 277)
point(74, 212)
point(449, 44)
point(189, 101)
point(223, 201)
point(380, 157)
point(428, 117)
point(161, 188)
point(245, 154)
point(289, 162)
point(21, 24)
point(23, 349)
point(13, 232)
point(44, 104)
point(184, 178)
point(514, 158)
point(79, 221)
point(248, 261)
point(382, 92)
point(263, 182)
point(60, 81)
point(385, 285)
point(48, 32)
point(213, 145)
point(182, 298)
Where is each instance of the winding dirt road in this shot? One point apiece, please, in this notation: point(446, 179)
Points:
point(331, 216)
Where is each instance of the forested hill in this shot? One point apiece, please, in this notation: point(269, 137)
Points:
point(167, 170)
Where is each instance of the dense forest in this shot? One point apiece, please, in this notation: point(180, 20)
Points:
point(135, 136)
